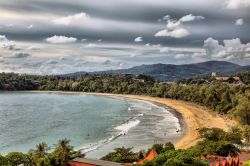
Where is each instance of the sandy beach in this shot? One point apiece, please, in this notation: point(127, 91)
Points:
point(194, 116)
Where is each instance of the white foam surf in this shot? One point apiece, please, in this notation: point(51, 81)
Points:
point(91, 147)
point(123, 128)
point(127, 126)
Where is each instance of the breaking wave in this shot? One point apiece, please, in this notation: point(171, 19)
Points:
point(123, 130)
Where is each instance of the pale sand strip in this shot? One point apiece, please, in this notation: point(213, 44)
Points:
point(195, 116)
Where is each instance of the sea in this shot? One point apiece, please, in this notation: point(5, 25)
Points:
point(94, 124)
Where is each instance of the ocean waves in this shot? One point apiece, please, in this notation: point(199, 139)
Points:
point(122, 130)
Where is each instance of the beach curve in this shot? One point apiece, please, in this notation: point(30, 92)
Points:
point(194, 116)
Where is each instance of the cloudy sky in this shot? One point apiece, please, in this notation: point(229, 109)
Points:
point(62, 36)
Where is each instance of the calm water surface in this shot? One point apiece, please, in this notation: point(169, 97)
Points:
point(94, 124)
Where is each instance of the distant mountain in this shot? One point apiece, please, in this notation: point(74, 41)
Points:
point(170, 72)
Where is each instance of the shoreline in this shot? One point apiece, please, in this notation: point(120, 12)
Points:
point(192, 115)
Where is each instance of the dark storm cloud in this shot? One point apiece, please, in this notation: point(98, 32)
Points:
point(128, 10)
point(125, 16)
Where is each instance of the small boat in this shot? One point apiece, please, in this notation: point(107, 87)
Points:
point(177, 130)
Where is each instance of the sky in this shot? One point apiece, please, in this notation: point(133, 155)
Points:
point(62, 36)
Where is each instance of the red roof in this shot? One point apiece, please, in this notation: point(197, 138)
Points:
point(152, 154)
point(92, 162)
point(222, 161)
point(244, 157)
point(74, 163)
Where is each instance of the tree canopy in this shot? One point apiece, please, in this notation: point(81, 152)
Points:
point(40, 156)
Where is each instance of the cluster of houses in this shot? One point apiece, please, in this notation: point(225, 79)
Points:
point(222, 161)
point(234, 80)
point(213, 160)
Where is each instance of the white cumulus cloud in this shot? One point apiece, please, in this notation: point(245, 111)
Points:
point(231, 49)
point(138, 39)
point(76, 18)
point(239, 21)
point(30, 26)
point(90, 45)
point(176, 33)
point(3, 38)
point(175, 28)
point(191, 17)
point(61, 39)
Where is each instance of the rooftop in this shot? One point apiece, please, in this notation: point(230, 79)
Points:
point(94, 162)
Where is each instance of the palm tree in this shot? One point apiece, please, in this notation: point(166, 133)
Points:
point(63, 152)
point(41, 149)
point(39, 155)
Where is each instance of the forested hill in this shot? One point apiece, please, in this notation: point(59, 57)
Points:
point(170, 72)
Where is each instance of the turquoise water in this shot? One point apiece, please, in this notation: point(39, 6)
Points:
point(94, 124)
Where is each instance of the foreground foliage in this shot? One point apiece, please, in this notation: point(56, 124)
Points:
point(122, 155)
point(40, 156)
point(213, 142)
point(176, 158)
